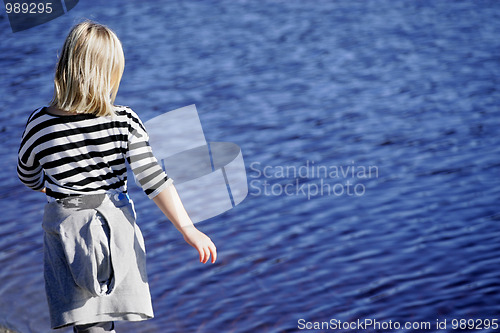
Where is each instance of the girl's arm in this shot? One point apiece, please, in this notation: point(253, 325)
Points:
point(170, 204)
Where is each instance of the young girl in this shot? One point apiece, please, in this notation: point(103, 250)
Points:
point(75, 150)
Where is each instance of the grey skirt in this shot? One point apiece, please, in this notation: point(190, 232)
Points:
point(94, 261)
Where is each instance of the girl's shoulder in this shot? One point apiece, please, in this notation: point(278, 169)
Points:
point(130, 116)
point(39, 123)
point(37, 119)
point(37, 113)
point(125, 111)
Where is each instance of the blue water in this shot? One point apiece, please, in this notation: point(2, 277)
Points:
point(410, 88)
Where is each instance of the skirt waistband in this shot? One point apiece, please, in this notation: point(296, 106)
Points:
point(89, 201)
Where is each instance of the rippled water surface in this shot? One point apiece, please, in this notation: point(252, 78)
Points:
point(408, 88)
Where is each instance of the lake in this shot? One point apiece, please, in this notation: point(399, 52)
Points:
point(369, 131)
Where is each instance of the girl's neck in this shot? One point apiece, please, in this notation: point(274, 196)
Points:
point(58, 112)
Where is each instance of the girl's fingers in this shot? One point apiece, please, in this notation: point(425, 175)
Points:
point(213, 251)
point(206, 251)
point(203, 255)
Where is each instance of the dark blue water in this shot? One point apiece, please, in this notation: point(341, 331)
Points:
point(410, 88)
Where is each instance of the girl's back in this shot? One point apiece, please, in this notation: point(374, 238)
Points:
point(83, 153)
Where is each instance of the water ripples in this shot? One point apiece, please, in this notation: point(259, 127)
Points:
point(411, 88)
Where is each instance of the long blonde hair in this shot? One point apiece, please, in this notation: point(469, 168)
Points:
point(89, 70)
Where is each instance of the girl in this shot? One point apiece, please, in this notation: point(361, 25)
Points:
point(75, 150)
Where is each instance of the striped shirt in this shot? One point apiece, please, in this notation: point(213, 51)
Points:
point(86, 154)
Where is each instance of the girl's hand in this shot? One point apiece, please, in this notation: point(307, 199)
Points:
point(170, 204)
point(201, 242)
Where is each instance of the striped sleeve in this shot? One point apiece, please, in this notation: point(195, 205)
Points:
point(31, 175)
point(29, 170)
point(143, 163)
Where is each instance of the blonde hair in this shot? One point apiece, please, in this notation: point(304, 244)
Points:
point(89, 70)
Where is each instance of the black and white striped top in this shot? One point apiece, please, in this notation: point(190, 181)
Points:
point(86, 154)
